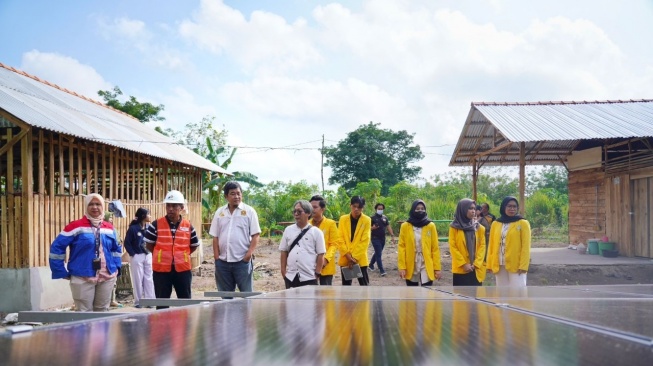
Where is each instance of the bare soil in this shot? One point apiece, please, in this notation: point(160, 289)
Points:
point(267, 275)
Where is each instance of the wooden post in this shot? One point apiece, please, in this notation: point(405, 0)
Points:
point(27, 170)
point(522, 178)
point(474, 179)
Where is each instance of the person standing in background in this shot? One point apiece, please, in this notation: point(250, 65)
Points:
point(332, 239)
point(94, 259)
point(510, 246)
point(236, 231)
point(171, 240)
point(418, 256)
point(379, 224)
point(355, 231)
point(140, 258)
point(467, 246)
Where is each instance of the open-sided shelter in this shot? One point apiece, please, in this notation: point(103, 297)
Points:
point(57, 146)
point(606, 146)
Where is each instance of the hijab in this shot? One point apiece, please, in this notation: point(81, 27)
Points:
point(505, 219)
point(418, 219)
point(469, 226)
point(95, 221)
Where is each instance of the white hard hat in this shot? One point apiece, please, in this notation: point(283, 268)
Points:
point(174, 197)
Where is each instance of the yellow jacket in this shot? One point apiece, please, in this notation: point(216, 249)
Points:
point(430, 244)
point(460, 255)
point(357, 247)
point(333, 241)
point(518, 246)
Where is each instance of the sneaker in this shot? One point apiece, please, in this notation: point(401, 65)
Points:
point(383, 274)
point(115, 304)
point(371, 268)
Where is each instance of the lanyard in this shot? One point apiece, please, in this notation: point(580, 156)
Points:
point(96, 233)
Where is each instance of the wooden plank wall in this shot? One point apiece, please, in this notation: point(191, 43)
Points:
point(618, 205)
point(587, 210)
point(64, 169)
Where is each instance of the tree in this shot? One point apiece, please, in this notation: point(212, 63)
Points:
point(371, 152)
point(144, 112)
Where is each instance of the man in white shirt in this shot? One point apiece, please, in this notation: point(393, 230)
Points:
point(235, 230)
point(302, 249)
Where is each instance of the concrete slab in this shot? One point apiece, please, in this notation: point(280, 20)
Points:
point(569, 256)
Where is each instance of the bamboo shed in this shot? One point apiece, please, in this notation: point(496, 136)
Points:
point(57, 146)
point(606, 146)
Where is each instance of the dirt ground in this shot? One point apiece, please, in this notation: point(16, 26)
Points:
point(267, 276)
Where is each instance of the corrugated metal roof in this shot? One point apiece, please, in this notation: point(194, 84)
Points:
point(41, 104)
point(550, 130)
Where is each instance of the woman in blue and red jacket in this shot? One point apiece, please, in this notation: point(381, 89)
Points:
point(94, 259)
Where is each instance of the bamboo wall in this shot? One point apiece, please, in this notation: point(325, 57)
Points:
point(44, 176)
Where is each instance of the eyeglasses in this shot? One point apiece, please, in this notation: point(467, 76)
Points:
point(297, 212)
point(512, 206)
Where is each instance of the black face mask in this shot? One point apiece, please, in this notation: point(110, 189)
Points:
point(419, 214)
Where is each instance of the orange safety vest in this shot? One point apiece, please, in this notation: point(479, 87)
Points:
point(168, 247)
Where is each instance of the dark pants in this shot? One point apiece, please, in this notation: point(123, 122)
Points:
point(326, 280)
point(363, 281)
point(411, 283)
point(378, 244)
point(467, 279)
point(165, 281)
point(296, 283)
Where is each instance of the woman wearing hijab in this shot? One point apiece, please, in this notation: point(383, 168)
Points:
point(510, 246)
point(140, 263)
point(467, 246)
point(94, 258)
point(419, 252)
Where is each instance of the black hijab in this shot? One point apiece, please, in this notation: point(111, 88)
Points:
point(414, 219)
point(505, 219)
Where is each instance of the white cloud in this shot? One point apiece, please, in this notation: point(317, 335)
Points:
point(263, 43)
point(152, 46)
point(66, 72)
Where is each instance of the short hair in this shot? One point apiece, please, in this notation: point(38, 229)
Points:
point(485, 204)
point(478, 207)
point(376, 207)
point(358, 200)
point(319, 199)
point(231, 185)
point(306, 206)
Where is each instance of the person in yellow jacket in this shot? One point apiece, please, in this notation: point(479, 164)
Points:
point(467, 246)
point(332, 239)
point(419, 251)
point(355, 230)
point(510, 246)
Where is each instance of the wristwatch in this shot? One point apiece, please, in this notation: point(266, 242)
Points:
point(318, 274)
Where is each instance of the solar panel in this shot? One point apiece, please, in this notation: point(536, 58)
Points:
point(347, 326)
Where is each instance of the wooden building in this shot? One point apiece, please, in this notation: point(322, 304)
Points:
point(57, 146)
point(606, 146)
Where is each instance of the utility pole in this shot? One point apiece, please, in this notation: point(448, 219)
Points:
point(322, 165)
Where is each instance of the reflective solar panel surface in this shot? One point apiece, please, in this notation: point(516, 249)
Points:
point(494, 294)
point(637, 290)
point(311, 326)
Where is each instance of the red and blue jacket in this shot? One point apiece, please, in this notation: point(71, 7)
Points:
point(79, 235)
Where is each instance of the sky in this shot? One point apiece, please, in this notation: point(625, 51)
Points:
point(281, 75)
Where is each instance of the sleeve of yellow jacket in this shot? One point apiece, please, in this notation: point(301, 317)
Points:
point(434, 244)
point(405, 248)
point(333, 244)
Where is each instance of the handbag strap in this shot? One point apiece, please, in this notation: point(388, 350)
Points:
point(298, 238)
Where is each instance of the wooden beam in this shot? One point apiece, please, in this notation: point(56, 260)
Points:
point(522, 178)
point(41, 163)
point(11, 141)
point(494, 149)
point(474, 179)
point(28, 252)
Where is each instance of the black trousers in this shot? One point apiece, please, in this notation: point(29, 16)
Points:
point(363, 281)
point(165, 281)
point(411, 283)
point(467, 279)
point(326, 280)
point(296, 283)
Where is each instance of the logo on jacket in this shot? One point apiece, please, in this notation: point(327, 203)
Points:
point(243, 213)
